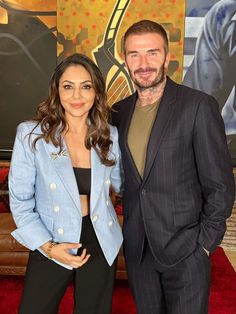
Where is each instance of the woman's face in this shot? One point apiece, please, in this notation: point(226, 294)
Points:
point(76, 92)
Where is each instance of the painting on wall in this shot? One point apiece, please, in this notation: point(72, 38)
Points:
point(36, 34)
point(96, 29)
point(210, 56)
point(27, 58)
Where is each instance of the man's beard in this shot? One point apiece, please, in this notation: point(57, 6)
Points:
point(142, 85)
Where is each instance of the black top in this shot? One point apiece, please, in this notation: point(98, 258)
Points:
point(83, 179)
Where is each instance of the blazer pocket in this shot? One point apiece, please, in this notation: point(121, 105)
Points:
point(185, 219)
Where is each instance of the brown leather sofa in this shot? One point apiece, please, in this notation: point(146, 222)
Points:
point(13, 256)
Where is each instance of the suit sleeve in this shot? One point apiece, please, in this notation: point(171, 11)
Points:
point(30, 231)
point(215, 172)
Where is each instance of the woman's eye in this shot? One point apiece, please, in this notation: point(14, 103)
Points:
point(67, 86)
point(87, 86)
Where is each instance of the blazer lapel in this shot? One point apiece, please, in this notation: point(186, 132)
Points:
point(62, 164)
point(97, 178)
point(163, 117)
point(127, 154)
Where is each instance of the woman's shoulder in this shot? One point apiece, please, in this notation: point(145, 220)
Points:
point(28, 129)
point(29, 126)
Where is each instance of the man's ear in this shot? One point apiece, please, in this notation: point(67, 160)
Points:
point(167, 61)
point(124, 58)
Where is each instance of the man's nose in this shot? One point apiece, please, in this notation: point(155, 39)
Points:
point(143, 59)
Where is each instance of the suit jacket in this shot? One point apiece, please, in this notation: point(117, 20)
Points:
point(44, 196)
point(187, 190)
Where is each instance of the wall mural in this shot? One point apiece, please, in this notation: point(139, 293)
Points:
point(32, 31)
point(96, 29)
point(210, 56)
point(27, 58)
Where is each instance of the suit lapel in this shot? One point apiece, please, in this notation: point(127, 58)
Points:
point(127, 154)
point(160, 125)
point(97, 179)
point(62, 164)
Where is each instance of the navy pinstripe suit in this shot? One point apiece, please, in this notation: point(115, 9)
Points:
point(181, 204)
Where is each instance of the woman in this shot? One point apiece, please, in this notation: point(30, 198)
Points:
point(63, 166)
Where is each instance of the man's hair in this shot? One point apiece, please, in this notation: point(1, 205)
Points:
point(146, 26)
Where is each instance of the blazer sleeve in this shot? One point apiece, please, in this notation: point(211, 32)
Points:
point(215, 173)
point(30, 231)
point(117, 170)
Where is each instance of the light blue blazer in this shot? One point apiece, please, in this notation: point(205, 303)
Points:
point(44, 196)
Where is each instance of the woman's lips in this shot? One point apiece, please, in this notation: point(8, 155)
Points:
point(77, 105)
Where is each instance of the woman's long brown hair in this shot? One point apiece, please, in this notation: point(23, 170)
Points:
point(51, 115)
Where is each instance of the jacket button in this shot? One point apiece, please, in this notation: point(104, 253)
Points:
point(107, 202)
point(110, 223)
point(143, 192)
point(60, 231)
point(53, 186)
point(95, 218)
point(108, 181)
point(56, 209)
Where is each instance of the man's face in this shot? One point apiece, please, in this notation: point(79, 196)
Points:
point(146, 59)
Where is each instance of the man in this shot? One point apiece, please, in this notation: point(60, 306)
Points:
point(179, 186)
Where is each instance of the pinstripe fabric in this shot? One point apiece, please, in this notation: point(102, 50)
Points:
point(187, 191)
point(180, 289)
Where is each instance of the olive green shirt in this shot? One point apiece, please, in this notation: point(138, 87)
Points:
point(139, 133)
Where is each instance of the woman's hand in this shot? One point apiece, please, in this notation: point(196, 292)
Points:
point(60, 252)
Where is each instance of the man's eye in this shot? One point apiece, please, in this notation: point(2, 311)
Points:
point(152, 53)
point(134, 55)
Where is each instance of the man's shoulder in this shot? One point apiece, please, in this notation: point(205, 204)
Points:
point(130, 99)
point(119, 109)
point(192, 93)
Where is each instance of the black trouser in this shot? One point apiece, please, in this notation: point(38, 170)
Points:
point(180, 289)
point(46, 281)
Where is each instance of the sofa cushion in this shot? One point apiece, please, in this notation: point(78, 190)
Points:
point(7, 242)
point(4, 195)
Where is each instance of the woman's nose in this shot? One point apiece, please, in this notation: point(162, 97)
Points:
point(77, 92)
